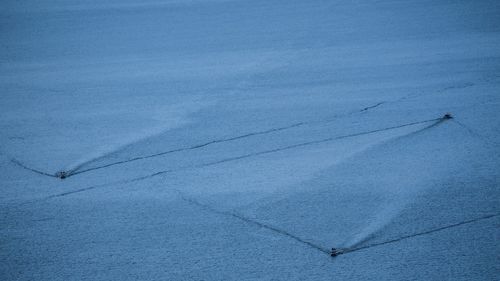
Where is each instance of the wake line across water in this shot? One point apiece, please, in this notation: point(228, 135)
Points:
point(435, 122)
point(79, 168)
point(358, 247)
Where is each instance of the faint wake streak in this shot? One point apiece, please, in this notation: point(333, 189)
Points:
point(355, 247)
point(235, 158)
point(254, 222)
point(78, 169)
point(436, 121)
point(18, 163)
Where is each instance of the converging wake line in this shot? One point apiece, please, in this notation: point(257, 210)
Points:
point(78, 170)
point(436, 121)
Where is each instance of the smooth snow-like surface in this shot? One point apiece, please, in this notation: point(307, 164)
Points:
point(242, 140)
